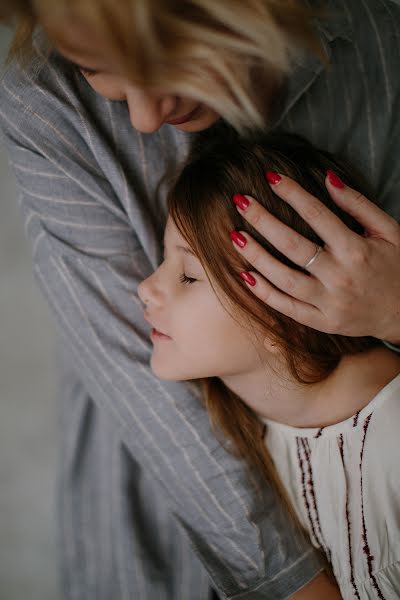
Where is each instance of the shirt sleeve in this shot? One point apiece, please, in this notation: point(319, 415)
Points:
point(88, 262)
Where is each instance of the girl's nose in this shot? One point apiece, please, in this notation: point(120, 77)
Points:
point(143, 291)
point(149, 292)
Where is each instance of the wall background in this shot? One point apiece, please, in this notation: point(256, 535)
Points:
point(27, 412)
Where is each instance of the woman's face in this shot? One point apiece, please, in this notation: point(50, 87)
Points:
point(149, 108)
point(193, 335)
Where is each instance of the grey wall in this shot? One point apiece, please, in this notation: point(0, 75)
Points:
point(27, 412)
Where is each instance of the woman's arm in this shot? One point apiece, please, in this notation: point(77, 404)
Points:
point(354, 288)
point(88, 261)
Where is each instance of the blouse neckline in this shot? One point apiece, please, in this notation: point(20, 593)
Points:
point(352, 422)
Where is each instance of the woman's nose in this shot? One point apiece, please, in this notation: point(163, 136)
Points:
point(148, 112)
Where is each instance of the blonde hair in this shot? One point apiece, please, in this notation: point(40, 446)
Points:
point(179, 44)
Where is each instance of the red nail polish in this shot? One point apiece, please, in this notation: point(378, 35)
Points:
point(241, 201)
point(335, 180)
point(273, 178)
point(238, 238)
point(248, 278)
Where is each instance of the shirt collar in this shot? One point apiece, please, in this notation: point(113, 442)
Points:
point(306, 66)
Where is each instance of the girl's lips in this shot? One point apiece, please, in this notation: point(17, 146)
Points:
point(155, 332)
point(185, 118)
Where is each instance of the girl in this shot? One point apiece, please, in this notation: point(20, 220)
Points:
point(323, 407)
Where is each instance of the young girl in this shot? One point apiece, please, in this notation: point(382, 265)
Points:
point(324, 407)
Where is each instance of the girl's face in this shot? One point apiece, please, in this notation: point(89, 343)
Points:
point(193, 335)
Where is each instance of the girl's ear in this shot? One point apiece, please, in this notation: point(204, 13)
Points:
point(270, 345)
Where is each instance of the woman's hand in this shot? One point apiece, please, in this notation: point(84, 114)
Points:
point(354, 283)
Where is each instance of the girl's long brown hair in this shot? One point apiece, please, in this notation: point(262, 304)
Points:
point(200, 203)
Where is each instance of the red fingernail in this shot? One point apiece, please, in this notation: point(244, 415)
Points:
point(335, 180)
point(273, 178)
point(248, 278)
point(238, 238)
point(241, 201)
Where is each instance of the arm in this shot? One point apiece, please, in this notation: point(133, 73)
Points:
point(354, 288)
point(88, 261)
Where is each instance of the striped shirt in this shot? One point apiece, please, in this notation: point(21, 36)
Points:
point(151, 507)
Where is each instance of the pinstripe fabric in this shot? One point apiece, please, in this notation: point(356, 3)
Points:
point(150, 506)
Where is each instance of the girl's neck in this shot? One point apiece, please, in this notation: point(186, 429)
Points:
point(272, 393)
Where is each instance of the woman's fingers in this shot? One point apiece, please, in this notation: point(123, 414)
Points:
point(374, 220)
point(290, 243)
point(337, 296)
point(324, 222)
point(297, 310)
point(295, 283)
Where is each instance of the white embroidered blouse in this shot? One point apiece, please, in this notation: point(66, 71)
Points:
point(344, 481)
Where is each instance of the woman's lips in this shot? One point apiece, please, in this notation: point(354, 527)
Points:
point(185, 118)
point(155, 334)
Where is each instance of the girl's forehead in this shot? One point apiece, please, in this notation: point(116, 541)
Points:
point(171, 230)
point(174, 239)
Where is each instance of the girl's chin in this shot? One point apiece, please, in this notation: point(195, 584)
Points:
point(162, 372)
point(168, 373)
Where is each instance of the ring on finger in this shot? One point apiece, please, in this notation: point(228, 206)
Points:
point(318, 250)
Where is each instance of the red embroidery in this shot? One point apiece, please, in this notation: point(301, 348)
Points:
point(307, 452)
point(366, 548)
point(352, 580)
point(303, 484)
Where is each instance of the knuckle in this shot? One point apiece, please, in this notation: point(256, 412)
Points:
point(264, 294)
point(313, 211)
point(290, 245)
point(289, 186)
point(256, 217)
point(341, 315)
point(291, 309)
point(359, 256)
point(256, 259)
point(343, 282)
point(289, 285)
point(252, 254)
point(359, 199)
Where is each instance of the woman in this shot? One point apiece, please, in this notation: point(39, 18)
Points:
point(88, 184)
point(330, 403)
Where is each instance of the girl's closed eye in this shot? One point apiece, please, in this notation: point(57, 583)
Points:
point(185, 279)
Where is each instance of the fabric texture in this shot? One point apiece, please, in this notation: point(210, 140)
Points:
point(150, 505)
point(344, 482)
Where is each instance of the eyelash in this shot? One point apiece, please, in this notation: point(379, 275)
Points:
point(88, 72)
point(185, 279)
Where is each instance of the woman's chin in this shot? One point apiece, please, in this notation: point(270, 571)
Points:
point(204, 121)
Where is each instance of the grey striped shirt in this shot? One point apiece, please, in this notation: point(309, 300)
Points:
point(150, 505)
